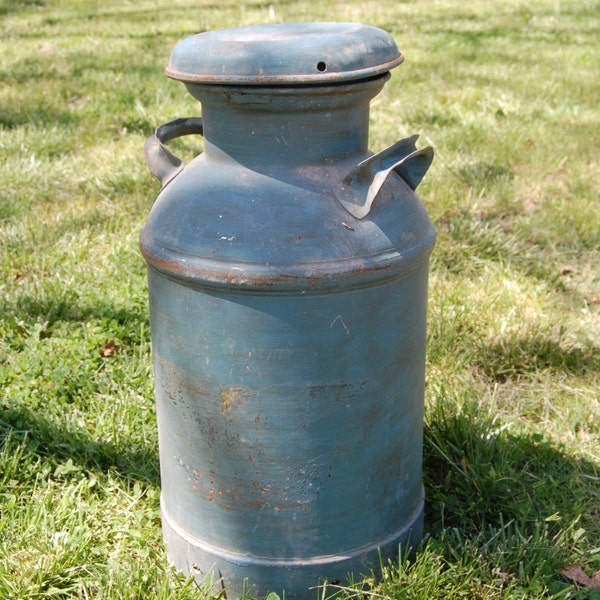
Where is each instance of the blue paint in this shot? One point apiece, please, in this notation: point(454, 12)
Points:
point(284, 53)
point(287, 274)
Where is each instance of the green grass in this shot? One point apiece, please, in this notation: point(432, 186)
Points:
point(507, 93)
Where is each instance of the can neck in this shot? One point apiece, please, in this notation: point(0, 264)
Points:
point(300, 125)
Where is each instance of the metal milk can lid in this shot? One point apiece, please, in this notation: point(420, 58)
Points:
point(284, 53)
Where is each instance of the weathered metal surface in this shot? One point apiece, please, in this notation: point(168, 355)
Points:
point(288, 283)
point(285, 53)
point(367, 179)
point(160, 160)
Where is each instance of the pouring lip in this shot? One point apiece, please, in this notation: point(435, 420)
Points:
point(284, 54)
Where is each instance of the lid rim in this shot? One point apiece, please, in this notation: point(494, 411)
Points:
point(340, 76)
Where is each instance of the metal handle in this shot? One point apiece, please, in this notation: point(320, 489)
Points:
point(366, 180)
point(163, 164)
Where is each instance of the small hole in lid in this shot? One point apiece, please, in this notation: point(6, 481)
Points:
point(322, 66)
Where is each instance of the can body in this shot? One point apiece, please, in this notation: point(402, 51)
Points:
point(288, 337)
point(290, 430)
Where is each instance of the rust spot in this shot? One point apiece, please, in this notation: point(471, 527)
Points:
point(232, 396)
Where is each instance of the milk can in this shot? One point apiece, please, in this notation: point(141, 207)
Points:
point(287, 270)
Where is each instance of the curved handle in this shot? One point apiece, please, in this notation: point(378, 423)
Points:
point(161, 161)
point(366, 180)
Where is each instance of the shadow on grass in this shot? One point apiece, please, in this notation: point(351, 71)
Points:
point(479, 475)
point(16, 6)
point(44, 439)
point(32, 321)
point(514, 357)
point(518, 504)
point(65, 307)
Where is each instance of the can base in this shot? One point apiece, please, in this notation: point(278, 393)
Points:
point(292, 578)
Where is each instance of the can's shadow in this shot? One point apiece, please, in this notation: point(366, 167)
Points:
point(480, 475)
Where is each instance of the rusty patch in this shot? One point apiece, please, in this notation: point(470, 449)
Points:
point(232, 396)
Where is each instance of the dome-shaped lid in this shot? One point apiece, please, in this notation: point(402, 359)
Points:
point(286, 53)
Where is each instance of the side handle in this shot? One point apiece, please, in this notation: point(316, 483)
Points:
point(360, 187)
point(163, 164)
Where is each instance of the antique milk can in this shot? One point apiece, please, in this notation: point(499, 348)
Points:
point(287, 270)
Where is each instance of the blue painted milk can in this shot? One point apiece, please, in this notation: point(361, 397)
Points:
point(287, 270)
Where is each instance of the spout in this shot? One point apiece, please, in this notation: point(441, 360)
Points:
point(360, 187)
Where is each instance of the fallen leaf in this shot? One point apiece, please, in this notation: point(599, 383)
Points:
point(578, 575)
point(109, 349)
point(583, 435)
point(19, 278)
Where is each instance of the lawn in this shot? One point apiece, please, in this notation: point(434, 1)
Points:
point(507, 94)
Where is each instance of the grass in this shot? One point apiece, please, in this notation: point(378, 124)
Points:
point(506, 93)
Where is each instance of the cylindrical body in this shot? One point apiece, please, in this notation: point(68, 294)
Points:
point(289, 344)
